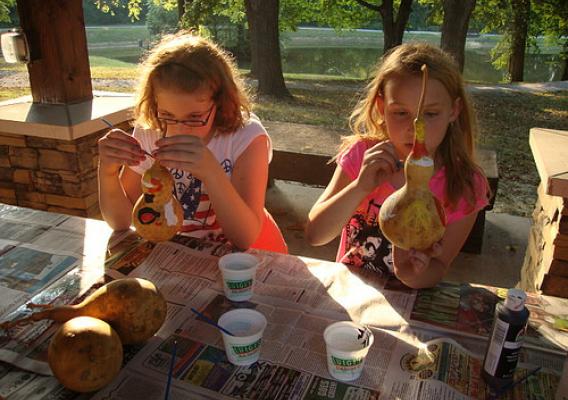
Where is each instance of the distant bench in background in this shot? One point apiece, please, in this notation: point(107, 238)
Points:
point(302, 153)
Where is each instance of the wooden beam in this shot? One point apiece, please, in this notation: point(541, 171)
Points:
point(59, 70)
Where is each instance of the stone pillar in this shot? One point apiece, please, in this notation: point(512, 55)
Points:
point(49, 153)
point(546, 261)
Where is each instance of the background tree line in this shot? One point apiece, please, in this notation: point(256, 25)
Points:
point(255, 25)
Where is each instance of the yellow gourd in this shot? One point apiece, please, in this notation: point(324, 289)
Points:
point(85, 354)
point(411, 217)
point(157, 215)
point(134, 307)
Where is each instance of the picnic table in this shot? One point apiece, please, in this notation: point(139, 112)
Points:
point(426, 341)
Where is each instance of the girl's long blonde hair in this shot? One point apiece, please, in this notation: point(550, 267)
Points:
point(186, 62)
point(457, 150)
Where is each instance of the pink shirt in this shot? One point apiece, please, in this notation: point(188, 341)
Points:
point(362, 243)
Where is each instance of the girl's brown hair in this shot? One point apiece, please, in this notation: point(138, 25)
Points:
point(186, 62)
point(457, 150)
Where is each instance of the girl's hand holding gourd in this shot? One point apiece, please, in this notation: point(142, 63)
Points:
point(117, 148)
point(188, 153)
point(379, 164)
point(416, 261)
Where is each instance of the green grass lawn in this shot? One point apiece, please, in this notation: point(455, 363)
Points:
point(504, 121)
point(112, 34)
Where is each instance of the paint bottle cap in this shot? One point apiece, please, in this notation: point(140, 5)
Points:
point(515, 300)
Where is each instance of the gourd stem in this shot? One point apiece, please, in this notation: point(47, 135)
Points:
point(424, 70)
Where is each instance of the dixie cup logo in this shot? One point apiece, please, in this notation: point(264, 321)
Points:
point(247, 350)
point(341, 363)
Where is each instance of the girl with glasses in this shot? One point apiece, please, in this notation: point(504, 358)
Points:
point(193, 115)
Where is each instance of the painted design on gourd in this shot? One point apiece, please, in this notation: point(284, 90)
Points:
point(157, 215)
point(412, 218)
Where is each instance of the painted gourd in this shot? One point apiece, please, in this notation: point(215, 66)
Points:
point(157, 215)
point(411, 217)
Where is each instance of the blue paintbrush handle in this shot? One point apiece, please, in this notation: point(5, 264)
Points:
point(171, 370)
point(211, 322)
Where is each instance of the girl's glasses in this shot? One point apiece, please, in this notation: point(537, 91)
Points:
point(192, 123)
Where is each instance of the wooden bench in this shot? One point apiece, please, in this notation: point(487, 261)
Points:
point(302, 154)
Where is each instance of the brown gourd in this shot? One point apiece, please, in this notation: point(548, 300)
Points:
point(85, 354)
point(157, 215)
point(411, 217)
point(134, 307)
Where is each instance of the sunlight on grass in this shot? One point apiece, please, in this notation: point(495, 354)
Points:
point(12, 93)
point(114, 73)
point(505, 120)
point(329, 108)
point(105, 62)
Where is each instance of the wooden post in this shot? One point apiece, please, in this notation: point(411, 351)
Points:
point(59, 70)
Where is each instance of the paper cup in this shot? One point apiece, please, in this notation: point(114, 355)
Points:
point(247, 326)
point(347, 345)
point(238, 271)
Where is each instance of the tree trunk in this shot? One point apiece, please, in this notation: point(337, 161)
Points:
point(454, 28)
point(519, 31)
point(564, 54)
point(393, 27)
point(262, 16)
point(181, 9)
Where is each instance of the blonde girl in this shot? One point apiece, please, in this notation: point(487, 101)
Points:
point(193, 115)
point(369, 167)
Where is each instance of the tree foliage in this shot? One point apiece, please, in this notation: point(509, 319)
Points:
point(547, 18)
point(6, 7)
point(160, 19)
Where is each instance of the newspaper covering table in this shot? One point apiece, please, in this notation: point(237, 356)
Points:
point(421, 348)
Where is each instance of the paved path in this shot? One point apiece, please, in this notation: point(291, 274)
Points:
point(11, 79)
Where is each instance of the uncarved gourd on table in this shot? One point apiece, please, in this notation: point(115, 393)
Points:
point(157, 215)
point(134, 307)
point(85, 354)
point(411, 217)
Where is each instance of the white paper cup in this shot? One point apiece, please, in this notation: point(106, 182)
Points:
point(247, 326)
point(238, 271)
point(347, 345)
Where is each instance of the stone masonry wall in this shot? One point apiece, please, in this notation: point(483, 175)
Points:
point(51, 174)
point(546, 262)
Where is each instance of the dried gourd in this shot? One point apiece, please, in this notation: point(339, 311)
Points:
point(85, 354)
point(134, 307)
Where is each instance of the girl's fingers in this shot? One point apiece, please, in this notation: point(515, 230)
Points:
point(419, 261)
point(436, 250)
point(120, 140)
point(179, 140)
point(383, 158)
point(423, 257)
point(177, 154)
point(119, 150)
point(384, 165)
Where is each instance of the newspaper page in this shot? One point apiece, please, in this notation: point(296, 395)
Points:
point(292, 364)
point(26, 346)
point(443, 369)
point(25, 270)
point(469, 310)
point(332, 288)
point(180, 271)
point(28, 215)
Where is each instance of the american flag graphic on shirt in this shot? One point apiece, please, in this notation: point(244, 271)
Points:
point(197, 211)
